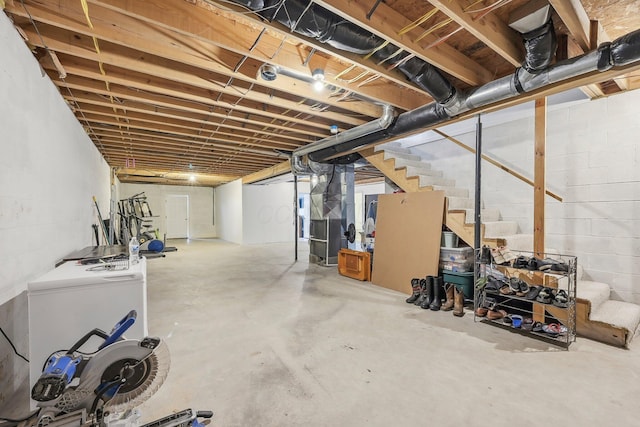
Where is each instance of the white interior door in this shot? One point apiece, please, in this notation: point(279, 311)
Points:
point(177, 216)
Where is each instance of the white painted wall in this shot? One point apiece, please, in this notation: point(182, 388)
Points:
point(229, 211)
point(361, 191)
point(201, 202)
point(49, 171)
point(267, 212)
point(593, 162)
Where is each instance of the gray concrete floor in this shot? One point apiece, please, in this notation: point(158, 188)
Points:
point(265, 341)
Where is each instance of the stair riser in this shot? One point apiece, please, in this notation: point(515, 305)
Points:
point(426, 181)
point(459, 203)
point(414, 171)
point(494, 230)
point(403, 163)
point(486, 215)
point(452, 191)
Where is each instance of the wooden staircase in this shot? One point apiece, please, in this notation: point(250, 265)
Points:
point(598, 317)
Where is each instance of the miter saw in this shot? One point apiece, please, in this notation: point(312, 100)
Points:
point(102, 389)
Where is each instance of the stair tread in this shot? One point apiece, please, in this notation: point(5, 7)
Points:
point(401, 157)
point(391, 146)
point(618, 313)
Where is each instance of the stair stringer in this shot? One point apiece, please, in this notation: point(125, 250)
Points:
point(454, 220)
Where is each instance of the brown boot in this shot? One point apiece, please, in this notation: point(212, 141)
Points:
point(448, 304)
point(458, 303)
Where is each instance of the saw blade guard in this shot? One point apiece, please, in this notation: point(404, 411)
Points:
point(150, 376)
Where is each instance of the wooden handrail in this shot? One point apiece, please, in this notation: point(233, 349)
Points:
point(495, 163)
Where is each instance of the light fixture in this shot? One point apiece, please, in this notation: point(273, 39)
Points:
point(192, 178)
point(268, 72)
point(318, 79)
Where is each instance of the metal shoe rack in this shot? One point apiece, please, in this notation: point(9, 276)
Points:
point(536, 311)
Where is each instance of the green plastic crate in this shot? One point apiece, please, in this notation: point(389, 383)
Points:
point(462, 280)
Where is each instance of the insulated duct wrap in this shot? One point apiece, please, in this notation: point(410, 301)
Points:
point(316, 22)
point(625, 49)
point(622, 51)
point(540, 46)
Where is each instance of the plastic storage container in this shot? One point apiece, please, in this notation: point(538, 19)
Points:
point(462, 280)
point(456, 254)
point(456, 259)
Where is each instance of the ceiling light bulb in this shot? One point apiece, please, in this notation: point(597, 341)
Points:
point(192, 178)
point(318, 79)
point(317, 85)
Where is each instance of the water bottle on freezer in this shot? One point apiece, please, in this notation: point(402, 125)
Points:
point(134, 251)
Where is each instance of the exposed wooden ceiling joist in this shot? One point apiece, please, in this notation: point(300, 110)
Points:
point(386, 23)
point(208, 35)
point(489, 29)
point(173, 84)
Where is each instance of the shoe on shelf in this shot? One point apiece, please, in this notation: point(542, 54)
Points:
point(497, 256)
point(545, 296)
point(533, 292)
point(554, 329)
point(549, 264)
point(505, 289)
point(506, 254)
point(516, 320)
point(561, 299)
point(521, 262)
point(493, 285)
point(481, 311)
point(518, 287)
point(496, 314)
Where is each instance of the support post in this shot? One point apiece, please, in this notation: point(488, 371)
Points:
point(295, 214)
point(539, 178)
point(477, 243)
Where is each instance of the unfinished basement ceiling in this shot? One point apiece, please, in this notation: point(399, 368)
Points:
point(167, 89)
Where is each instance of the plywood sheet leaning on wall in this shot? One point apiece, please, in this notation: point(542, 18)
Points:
point(408, 230)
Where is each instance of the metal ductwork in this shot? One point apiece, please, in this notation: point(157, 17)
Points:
point(620, 52)
point(539, 40)
point(300, 168)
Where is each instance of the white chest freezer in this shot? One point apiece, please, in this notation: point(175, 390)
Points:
point(69, 301)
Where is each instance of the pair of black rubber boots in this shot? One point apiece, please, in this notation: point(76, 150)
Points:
point(427, 292)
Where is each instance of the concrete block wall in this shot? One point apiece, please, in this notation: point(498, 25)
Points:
point(593, 162)
point(49, 171)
